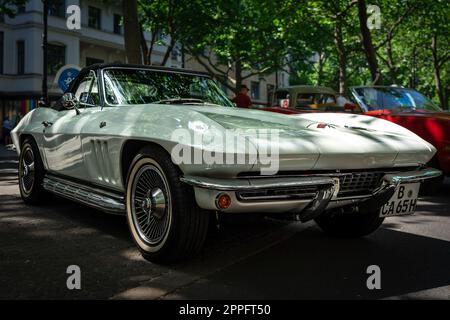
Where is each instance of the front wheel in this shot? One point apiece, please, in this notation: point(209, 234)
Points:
point(31, 173)
point(164, 219)
point(350, 222)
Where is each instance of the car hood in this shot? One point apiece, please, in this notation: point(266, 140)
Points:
point(347, 142)
point(324, 141)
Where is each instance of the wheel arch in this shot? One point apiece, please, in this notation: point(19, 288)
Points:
point(23, 137)
point(129, 151)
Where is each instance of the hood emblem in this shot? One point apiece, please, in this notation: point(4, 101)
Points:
point(321, 125)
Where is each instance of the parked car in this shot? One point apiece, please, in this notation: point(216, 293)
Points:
point(112, 140)
point(303, 98)
point(410, 109)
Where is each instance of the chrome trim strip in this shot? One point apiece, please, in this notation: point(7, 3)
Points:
point(412, 176)
point(255, 184)
point(93, 197)
point(293, 196)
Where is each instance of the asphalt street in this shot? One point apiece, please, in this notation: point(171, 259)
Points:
point(244, 259)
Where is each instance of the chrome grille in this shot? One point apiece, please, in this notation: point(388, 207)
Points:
point(359, 183)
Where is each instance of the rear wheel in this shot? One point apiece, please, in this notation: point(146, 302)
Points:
point(164, 219)
point(31, 173)
point(349, 222)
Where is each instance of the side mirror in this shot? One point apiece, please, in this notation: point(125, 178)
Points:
point(70, 101)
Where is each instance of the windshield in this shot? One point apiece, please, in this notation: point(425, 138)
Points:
point(140, 86)
point(392, 98)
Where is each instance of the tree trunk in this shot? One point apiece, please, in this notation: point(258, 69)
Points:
point(342, 57)
point(150, 49)
point(238, 76)
point(168, 51)
point(437, 72)
point(131, 32)
point(390, 62)
point(369, 49)
point(322, 59)
point(144, 46)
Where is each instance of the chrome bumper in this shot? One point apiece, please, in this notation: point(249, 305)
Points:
point(207, 190)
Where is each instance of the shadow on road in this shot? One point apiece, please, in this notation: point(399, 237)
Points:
point(37, 244)
point(312, 266)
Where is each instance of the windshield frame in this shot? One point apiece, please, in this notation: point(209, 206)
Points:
point(183, 72)
point(365, 107)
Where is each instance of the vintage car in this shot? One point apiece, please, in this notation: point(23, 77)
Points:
point(403, 106)
point(412, 110)
point(303, 98)
point(140, 141)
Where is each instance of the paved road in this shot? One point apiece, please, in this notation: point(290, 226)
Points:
point(244, 259)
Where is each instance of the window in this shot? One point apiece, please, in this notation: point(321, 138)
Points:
point(118, 24)
point(57, 8)
point(255, 90)
point(95, 18)
point(91, 61)
point(2, 37)
point(270, 94)
point(20, 57)
point(2, 17)
point(21, 8)
point(175, 53)
point(56, 57)
point(87, 91)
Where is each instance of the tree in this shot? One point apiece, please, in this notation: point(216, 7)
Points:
point(419, 51)
point(9, 7)
point(334, 19)
point(369, 48)
point(435, 19)
point(131, 30)
point(235, 40)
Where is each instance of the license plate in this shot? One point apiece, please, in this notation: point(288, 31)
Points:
point(403, 202)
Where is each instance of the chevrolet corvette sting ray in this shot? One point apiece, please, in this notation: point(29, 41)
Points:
point(109, 143)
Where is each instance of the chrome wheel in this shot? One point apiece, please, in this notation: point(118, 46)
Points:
point(27, 170)
point(150, 204)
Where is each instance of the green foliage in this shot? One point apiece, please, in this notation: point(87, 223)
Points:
point(9, 7)
point(260, 36)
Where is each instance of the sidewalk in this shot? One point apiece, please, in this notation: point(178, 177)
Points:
point(7, 153)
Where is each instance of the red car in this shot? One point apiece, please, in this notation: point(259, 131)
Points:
point(403, 106)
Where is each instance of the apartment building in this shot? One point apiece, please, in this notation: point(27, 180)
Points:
point(100, 39)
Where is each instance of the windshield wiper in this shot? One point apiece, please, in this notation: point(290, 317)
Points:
point(180, 101)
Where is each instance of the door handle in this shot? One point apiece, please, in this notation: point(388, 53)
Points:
point(47, 124)
point(102, 124)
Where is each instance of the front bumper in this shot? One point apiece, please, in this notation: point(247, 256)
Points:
point(307, 195)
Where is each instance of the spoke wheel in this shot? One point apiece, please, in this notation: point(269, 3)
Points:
point(31, 173)
point(164, 220)
point(151, 205)
point(26, 170)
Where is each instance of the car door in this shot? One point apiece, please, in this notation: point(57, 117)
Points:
point(63, 138)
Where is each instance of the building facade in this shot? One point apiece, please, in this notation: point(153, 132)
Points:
point(100, 39)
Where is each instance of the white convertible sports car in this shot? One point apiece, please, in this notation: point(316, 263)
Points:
point(165, 147)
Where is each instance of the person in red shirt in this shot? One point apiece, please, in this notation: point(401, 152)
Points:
point(242, 100)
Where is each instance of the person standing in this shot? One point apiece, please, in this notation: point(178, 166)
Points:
point(242, 100)
point(7, 127)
